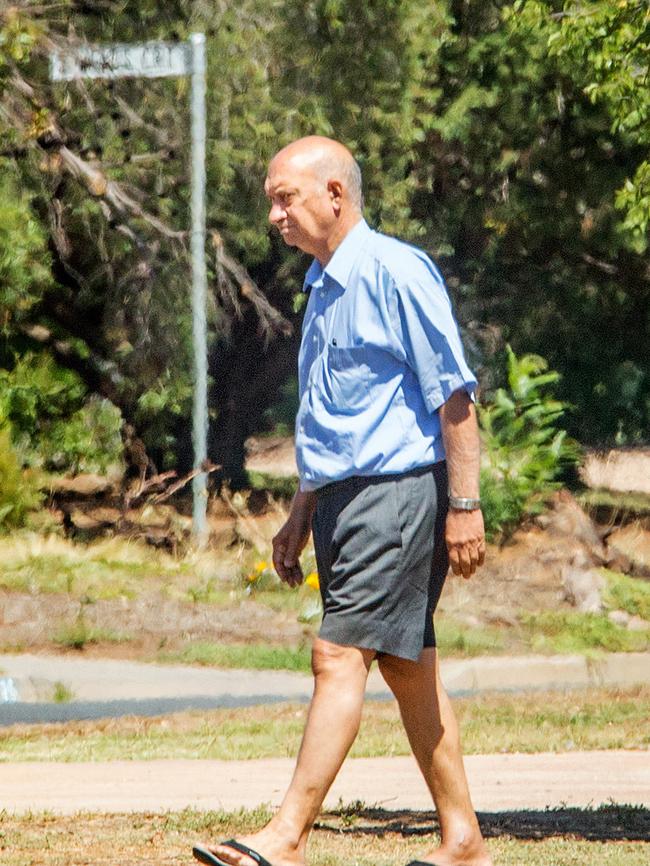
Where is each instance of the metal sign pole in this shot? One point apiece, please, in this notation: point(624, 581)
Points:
point(199, 289)
point(158, 60)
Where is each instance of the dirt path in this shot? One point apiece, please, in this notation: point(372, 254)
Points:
point(498, 782)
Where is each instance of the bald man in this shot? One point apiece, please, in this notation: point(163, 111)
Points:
point(388, 454)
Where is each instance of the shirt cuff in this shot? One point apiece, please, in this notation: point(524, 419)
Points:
point(435, 397)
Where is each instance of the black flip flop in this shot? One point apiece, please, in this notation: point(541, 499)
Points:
point(419, 863)
point(204, 856)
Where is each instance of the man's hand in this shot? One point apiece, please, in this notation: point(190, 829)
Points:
point(465, 537)
point(290, 541)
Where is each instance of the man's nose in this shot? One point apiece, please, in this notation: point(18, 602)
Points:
point(276, 214)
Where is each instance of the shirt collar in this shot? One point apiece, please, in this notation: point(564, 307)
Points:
point(345, 255)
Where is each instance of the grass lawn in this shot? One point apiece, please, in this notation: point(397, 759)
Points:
point(554, 721)
point(354, 837)
point(248, 656)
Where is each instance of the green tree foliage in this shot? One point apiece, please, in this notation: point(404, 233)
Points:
point(54, 423)
point(524, 452)
point(358, 71)
point(508, 138)
point(608, 47)
point(19, 492)
point(24, 261)
point(518, 186)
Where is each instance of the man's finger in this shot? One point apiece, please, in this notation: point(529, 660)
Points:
point(294, 576)
point(278, 561)
point(465, 562)
point(453, 560)
point(278, 554)
point(481, 553)
point(290, 558)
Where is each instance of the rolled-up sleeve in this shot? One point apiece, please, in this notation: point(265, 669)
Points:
point(430, 337)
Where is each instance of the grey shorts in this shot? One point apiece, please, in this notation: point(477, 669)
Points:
point(382, 559)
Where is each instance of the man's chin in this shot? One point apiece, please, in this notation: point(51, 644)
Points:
point(293, 238)
point(288, 236)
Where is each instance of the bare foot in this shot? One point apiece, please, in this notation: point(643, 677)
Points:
point(267, 843)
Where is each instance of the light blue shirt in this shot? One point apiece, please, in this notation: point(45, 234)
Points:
point(380, 353)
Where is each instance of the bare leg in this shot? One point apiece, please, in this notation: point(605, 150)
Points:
point(432, 731)
point(340, 675)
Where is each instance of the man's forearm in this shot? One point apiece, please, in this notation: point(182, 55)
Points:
point(464, 530)
point(303, 504)
point(462, 445)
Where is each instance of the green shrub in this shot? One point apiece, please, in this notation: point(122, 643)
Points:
point(53, 423)
point(88, 441)
point(523, 450)
point(24, 258)
point(19, 492)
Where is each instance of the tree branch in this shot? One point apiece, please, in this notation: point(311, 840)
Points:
point(120, 209)
point(271, 320)
point(98, 185)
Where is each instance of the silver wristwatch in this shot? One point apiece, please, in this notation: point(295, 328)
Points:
point(461, 503)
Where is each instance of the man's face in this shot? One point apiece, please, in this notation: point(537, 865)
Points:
point(301, 204)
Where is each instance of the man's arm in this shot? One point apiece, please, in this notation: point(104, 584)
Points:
point(290, 541)
point(464, 531)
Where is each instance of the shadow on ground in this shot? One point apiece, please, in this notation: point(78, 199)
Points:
point(607, 823)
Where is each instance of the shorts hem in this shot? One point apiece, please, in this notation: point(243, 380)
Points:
point(409, 651)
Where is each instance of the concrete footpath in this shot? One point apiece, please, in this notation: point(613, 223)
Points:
point(497, 782)
point(109, 688)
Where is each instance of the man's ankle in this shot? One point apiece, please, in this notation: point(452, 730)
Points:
point(295, 838)
point(464, 840)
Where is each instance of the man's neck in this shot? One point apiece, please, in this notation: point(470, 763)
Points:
point(342, 229)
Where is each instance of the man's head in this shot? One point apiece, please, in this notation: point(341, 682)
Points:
point(314, 185)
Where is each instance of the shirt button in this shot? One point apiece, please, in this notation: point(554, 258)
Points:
point(322, 294)
point(315, 338)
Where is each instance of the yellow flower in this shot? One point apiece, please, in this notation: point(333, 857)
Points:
point(251, 578)
point(261, 566)
point(312, 580)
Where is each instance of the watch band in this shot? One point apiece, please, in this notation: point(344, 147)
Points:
point(461, 503)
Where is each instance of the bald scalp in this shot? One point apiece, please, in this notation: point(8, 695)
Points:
point(328, 160)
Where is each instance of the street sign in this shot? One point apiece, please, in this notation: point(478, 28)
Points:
point(158, 60)
point(121, 60)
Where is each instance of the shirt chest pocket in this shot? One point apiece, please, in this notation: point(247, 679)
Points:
point(345, 382)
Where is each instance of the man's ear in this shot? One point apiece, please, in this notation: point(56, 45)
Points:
point(335, 191)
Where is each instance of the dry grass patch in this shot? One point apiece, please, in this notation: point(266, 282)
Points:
point(107, 568)
point(551, 721)
point(354, 837)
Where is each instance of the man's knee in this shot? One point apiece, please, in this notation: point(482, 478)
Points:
point(330, 659)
